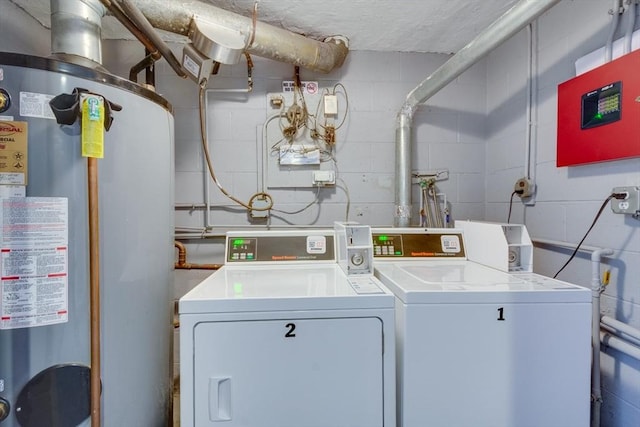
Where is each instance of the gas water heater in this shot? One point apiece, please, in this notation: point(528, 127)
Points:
point(44, 325)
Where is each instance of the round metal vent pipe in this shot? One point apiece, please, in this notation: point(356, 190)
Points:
point(76, 29)
point(515, 19)
point(264, 40)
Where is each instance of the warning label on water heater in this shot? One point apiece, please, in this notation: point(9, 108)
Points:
point(33, 262)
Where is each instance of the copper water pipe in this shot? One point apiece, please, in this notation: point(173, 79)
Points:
point(182, 263)
point(94, 288)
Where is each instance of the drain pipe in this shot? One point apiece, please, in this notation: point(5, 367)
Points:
point(515, 19)
point(76, 27)
point(266, 40)
point(596, 289)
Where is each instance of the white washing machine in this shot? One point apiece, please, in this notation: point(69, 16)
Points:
point(282, 337)
point(478, 347)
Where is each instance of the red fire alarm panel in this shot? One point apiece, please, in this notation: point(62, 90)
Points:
point(599, 114)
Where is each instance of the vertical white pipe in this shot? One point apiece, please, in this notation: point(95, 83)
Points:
point(596, 287)
point(528, 114)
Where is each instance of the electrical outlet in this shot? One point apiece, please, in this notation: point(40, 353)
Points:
point(626, 200)
point(524, 188)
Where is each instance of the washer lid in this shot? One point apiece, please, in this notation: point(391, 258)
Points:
point(441, 281)
point(279, 288)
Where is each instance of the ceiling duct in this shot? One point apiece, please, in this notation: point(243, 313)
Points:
point(76, 27)
point(262, 39)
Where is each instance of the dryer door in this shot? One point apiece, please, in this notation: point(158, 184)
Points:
point(289, 373)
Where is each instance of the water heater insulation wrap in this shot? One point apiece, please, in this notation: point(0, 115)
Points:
point(609, 94)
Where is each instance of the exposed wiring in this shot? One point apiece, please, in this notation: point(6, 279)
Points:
point(345, 188)
point(205, 149)
point(346, 98)
point(313, 202)
point(611, 196)
point(327, 132)
point(511, 205)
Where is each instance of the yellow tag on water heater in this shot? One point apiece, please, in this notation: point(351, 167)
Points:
point(92, 126)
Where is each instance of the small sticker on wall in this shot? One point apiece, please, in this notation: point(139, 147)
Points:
point(308, 88)
point(1, 74)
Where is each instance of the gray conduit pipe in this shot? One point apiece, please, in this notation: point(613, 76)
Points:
point(632, 11)
point(268, 42)
point(616, 11)
point(515, 19)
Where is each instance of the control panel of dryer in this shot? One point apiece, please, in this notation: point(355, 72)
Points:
point(286, 246)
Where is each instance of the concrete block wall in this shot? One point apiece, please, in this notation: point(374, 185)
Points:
point(475, 128)
point(449, 133)
point(568, 198)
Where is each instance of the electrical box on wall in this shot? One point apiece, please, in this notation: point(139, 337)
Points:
point(599, 112)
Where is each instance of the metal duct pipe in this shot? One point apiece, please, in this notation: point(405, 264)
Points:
point(76, 29)
point(502, 29)
point(268, 41)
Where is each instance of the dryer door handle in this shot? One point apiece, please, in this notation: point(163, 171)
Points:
point(220, 399)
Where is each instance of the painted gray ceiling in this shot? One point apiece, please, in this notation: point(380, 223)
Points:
point(439, 26)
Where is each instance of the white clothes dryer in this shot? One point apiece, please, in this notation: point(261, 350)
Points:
point(478, 347)
point(280, 336)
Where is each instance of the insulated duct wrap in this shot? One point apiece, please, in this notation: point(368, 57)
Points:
point(269, 41)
